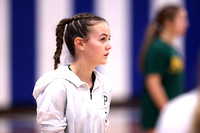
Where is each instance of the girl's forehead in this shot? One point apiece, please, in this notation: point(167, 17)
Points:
point(100, 28)
point(182, 12)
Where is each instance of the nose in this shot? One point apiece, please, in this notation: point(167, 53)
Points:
point(108, 46)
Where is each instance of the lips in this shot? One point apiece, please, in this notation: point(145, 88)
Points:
point(107, 54)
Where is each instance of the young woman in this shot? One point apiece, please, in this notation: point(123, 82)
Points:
point(161, 64)
point(75, 98)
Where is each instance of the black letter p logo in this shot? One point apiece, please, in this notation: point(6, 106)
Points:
point(105, 99)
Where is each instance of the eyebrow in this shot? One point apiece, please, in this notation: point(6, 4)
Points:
point(103, 34)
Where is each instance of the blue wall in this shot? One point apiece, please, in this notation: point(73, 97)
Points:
point(23, 57)
point(192, 44)
point(140, 18)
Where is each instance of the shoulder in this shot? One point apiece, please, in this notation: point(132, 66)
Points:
point(59, 84)
point(48, 82)
point(56, 89)
point(158, 46)
point(55, 92)
point(158, 50)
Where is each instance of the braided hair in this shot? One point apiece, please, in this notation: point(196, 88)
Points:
point(77, 26)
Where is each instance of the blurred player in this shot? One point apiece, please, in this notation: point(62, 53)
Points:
point(161, 65)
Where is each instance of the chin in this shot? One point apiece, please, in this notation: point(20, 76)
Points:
point(182, 32)
point(102, 63)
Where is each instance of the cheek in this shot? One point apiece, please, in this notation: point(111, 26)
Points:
point(94, 49)
point(180, 27)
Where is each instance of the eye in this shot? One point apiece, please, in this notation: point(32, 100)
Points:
point(103, 39)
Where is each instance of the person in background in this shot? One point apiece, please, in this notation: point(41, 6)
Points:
point(75, 98)
point(182, 114)
point(160, 63)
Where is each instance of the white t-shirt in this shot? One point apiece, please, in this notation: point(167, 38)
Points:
point(63, 100)
point(178, 114)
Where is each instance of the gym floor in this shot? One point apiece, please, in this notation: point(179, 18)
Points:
point(122, 120)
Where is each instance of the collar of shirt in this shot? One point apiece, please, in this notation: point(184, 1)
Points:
point(64, 72)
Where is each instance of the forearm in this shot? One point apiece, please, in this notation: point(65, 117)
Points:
point(158, 96)
point(156, 91)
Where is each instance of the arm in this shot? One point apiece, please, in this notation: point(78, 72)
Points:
point(156, 66)
point(51, 107)
point(156, 90)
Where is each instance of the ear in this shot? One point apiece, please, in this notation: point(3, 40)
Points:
point(79, 43)
point(168, 23)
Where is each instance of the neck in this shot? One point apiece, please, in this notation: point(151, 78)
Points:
point(83, 70)
point(167, 36)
